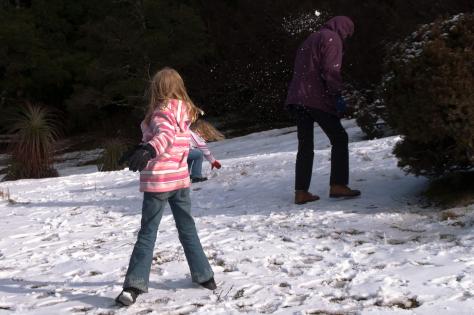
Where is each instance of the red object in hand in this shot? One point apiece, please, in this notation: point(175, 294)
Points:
point(216, 164)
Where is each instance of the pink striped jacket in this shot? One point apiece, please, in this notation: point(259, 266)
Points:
point(199, 143)
point(169, 134)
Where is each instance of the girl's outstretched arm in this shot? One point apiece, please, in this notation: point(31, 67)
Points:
point(200, 144)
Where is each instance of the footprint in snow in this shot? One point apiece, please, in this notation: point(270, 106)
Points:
point(268, 307)
point(249, 291)
point(51, 302)
point(313, 284)
point(184, 310)
point(294, 300)
point(80, 309)
point(292, 271)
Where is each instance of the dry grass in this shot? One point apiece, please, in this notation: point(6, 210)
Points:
point(113, 150)
point(5, 194)
point(449, 215)
point(35, 131)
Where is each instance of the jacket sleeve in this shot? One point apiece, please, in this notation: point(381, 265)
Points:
point(164, 131)
point(199, 143)
point(331, 63)
point(146, 134)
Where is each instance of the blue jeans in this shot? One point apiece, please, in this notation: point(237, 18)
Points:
point(138, 272)
point(195, 163)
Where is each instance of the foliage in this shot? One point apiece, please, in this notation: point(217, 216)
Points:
point(112, 151)
point(32, 151)
point(453, 190)
point(371, 114)
point(129, 45)
point(256, 43)
point(92, 60)
point(430, 97)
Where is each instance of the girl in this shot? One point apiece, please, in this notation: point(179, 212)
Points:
point(164, 178)
point(202, 131)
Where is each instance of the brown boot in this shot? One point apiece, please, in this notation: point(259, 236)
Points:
point(342, 191)
point(302, 197)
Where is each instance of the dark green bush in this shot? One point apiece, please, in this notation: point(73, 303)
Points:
point(370, 111)
point(430, 97)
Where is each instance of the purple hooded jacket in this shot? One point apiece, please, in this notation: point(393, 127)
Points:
point(317, 77)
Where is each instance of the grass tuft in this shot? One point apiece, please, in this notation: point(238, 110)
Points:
point(113, 150)
point(35, 133)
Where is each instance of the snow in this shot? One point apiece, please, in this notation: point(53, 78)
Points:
point(66, 241)
point(304, 22)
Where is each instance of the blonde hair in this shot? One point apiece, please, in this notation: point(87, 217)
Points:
point(206, 130)
point(167, 84)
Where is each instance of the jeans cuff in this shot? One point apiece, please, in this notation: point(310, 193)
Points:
point(199, 277)
point(136, 283)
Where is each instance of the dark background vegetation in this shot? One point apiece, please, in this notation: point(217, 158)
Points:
point(91, 60)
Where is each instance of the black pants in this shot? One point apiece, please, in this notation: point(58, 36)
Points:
point(331, 125)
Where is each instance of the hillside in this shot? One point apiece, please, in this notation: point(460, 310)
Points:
point(65, 242)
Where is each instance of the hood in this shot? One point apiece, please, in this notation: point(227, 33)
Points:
point(179, 109)
point(182, 117)
point(174, 109)
point(342, 25)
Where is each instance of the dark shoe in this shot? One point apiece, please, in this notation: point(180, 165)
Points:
point(302, 197)
point(209, 284)
point(342, 191)
point(198, 179)
point(127, 297)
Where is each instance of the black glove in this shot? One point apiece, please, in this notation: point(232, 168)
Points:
point(341, 104)
point(139, 159)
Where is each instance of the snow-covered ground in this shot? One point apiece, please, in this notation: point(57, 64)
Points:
point(65, 242)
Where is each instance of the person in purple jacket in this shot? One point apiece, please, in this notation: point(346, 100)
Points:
point(314, 95)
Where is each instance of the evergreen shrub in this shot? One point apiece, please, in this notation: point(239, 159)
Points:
point(429, 96)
